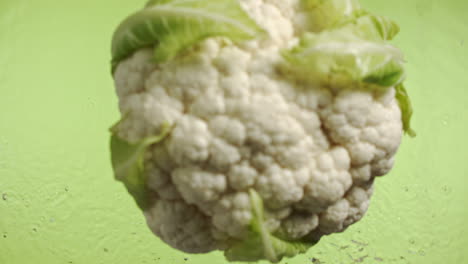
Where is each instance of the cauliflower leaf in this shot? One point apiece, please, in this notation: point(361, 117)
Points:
point(127, 163)
point(260, 243)
point(174, 25)
point(406, 109)
point(323, 14)
point(331, 14)
point(343, 60)
point(369, 26)
point(354, 54)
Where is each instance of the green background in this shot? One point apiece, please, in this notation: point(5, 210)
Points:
point(60, 204)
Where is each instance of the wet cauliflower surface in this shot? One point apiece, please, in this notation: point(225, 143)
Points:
point(238, 123)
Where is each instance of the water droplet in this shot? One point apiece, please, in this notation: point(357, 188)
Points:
point(106, 250)
point(412, 242)
point(446, 189)
point(422, 253)
point(445, 120)
point(315, 261)
point(4, 197)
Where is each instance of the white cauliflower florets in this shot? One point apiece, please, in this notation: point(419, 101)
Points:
point(238, 123)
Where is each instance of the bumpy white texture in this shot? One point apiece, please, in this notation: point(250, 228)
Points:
point(311, 153)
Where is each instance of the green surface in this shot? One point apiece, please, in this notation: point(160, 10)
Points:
point(60, 204)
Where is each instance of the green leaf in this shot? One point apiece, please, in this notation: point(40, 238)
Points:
point(388, 75)
point(352, 53)
point(260, 243)
point(156, 2)
point(345, 57)
point(127, 163)
point(368, 26)
point(174, 25)
point(325, 14)
point(406, 109)
point(387, 28)
point(331, 14)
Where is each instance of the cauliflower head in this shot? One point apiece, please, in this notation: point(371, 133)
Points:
point(255, 127)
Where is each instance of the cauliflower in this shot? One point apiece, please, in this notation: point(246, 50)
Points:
point(255, 127)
